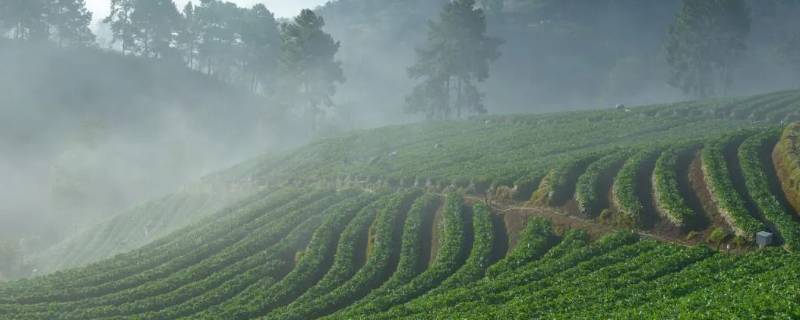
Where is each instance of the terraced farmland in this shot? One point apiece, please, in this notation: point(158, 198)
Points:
point(644, 212)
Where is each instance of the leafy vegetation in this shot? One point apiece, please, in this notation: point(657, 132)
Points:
point(302, 250)
point(757, 177)
point(729, 201)
point(627, 191)
point(589, 189)
point(668, 193)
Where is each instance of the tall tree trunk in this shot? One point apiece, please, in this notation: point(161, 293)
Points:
point(459, 97)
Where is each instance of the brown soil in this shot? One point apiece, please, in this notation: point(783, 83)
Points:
point(428, 217)
point(703, 196)
point(501, 241)
point(436, 233)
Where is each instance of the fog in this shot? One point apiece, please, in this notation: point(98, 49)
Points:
point(87, 132)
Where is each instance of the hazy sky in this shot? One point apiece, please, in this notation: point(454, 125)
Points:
point(281, 8)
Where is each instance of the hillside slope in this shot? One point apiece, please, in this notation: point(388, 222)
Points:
point(87, 133)
point(565, 215)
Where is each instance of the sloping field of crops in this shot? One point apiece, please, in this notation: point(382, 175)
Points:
point(647, 212)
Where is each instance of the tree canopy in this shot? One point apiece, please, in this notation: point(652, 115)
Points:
point(65, 21)
point(454, 58)
point(309, 63)
point(705, 43)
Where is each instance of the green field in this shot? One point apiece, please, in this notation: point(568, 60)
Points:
point(642, 212)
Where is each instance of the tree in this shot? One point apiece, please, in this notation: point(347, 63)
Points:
point(25, 18)
point(157, 21)
point(188, 37)
point(456, 56)
point(70, 21)
point(261, 38)
point(309, 64)
point(121, 24)
point(145, 27)
point(220, 43)
point(704, 44)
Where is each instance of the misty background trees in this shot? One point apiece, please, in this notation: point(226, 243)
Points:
point(454, 59)
point(308, 64)
point(64, 21)
point(705, 43)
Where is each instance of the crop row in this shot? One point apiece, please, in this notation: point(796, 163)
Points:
point(352, 244)
point(412, 260)
point(787, 164)
point(729, 202)
point(448, 259)
point(381, 262)
point(148, 257)
point(312, 264)
point(480, 256)
point(282, 253)
point(627, 191)
point(562, 258)
point(666, 187)
point(186, 283)
point(754, 165)
point(559, 184)
point(590, 190)
point(534, 241)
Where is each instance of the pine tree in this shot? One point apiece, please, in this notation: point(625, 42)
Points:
point(309, 64)
point(705, 43)
point(455, 57)
point(70, 21)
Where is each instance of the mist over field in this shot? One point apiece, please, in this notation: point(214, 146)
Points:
point(109, 107)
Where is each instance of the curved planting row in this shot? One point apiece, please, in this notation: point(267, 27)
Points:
point(420, 307)
point(666, 188)
point(192, 250)
point(412, 259)
point(447, 261)
point(47, 288)
point(480, 297)
point(311, 266)
point(766, 111)
point(262, 275)
point(480, 256)
point(559, 184)
point(627, 190)
point(787, 164)
point(591, 189)
point(534, 242)
point(751, 158)
point(195, 280)
point(379, 265)
point(352, 244)
point(729, 202)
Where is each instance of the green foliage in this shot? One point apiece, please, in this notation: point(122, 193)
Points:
point(376, 269)
point(717, 236)
point(589, 187)
point(534, 242)
point(627, 192)
point(759, 188)
point(668, 195)
point(297, 253)
point(729, 201)
point(560, 183)
point(449, 258)
point(480, 255)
